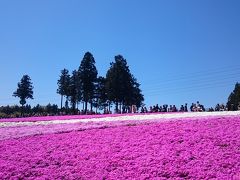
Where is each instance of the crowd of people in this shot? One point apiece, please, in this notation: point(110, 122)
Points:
point(218, 107)
point(195, 107)
point(52, 110)
point(163, 108)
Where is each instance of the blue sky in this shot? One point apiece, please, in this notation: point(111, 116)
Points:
point(180, 51)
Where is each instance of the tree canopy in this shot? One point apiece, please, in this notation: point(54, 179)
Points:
point(74, 89)
point(100, 95)
point(88, 76)
point(63, 84)
point(234, 98)
point(24, 90)
point(121, 86)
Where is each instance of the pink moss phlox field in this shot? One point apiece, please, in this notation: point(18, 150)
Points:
point(52, 118)
point(21, 131)
point(67, 117)
point(185, 149)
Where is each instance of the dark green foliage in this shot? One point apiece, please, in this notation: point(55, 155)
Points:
point(74, 90)
point(137, 97)
point(121, 86)
point(27, 109)
point(50, 109)
point(118, 81)
point(9, 109)
point(100, 94)
point(88, 76)
point(16, 111)
point(63, 84)
point(24, 90)
point(38, 109)
point(234, 98)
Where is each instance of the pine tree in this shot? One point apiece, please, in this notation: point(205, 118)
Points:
point(63, 84)
point(88, 75)
point(136, 97)
point(100, 95)
point(24, 90)
point(117, 81)
point(121, 86)
point(234, 98)
point(74, 90)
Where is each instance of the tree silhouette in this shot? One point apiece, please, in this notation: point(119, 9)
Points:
point(234, 98)
point(63, 84)
point(136, 97)
point(24, 90)
point(121, 86)
point(100, 95)
point(74, 90)
point(88, 75)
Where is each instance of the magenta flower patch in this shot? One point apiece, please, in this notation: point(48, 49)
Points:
point(204, 148)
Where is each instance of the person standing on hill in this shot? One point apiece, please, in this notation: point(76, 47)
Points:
point(198, 107)
point(182, 108)
point(185, 108)
point(157, 108)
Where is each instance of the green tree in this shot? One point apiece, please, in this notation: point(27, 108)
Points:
point(63, 84)
point(121, 86)
point(51, 109)
point(100, 95)
point(118, 81)
point(136, 97)
point(88, 75)
point(24, 90)
point(234, 98)
point(38, 109)
point(74, 90)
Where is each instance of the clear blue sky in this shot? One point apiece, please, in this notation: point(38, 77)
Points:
point(179, 50)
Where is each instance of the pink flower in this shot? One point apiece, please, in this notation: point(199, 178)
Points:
point(198, 148)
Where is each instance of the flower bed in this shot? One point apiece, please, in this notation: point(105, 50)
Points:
point(185, 149)
point(102, 116)
point(52, 118)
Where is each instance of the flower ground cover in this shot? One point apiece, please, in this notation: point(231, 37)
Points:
point(47, 118)
point(103, 116)
point(198, 148)
point(26, 128)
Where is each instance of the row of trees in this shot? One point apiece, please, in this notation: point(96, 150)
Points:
point(83, 85)
point(19, 111)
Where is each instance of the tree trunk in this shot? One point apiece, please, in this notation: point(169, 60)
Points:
point(66, 105)
point(61, 101)
point(22, 111)
point(117, 107)
point(85, 107)
point(74, 107)
point(120, 108)
point(109, 107)
point(91, 106)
